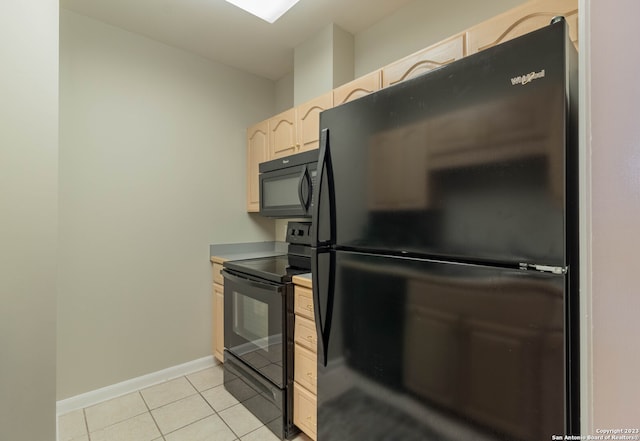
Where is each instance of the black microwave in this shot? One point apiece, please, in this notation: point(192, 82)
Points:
point(286, 185)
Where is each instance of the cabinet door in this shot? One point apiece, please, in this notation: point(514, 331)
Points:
point(303, 302)
point(357, 88)
point(305, 370)
point(257, 152)
point(218, 321)
point(308, 115)
point(423, 61)
point(306, 334)
point(305, 410)
point(521, 20)
point(217, 273)
point(282, 134)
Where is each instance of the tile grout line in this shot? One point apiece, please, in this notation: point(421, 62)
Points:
point(197, 392)
point(151, 414)
point(214, 411)
point(86, 422)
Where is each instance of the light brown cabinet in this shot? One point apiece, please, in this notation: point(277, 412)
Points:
point(218, 313)
point(257, 152)
point(217, 337)
point(305, 359)
point(521, 20)
point(282, 134)
point(423, 61)
point(308, 122)
point(357, 88)
point(305, 414)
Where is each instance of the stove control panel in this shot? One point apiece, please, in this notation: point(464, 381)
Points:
point(299, 233)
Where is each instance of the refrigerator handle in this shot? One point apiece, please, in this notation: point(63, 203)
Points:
point(323, 299)
point(324, 165)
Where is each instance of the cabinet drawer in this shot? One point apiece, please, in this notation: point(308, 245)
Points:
point(304, 302)
point(306, 369)
point(305, 410)
point(305, 333)
point(217, 274)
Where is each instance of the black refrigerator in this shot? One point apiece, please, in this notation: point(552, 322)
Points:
point(445, 260)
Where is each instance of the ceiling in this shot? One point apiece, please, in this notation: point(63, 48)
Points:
point(221, 32)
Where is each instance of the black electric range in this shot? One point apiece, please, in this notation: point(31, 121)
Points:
point(258, 331)
point(276, 269)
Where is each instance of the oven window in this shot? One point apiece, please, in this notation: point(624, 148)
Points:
point(251, 320)
point(281, 191)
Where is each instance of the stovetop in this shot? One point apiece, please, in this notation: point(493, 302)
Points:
point(275, 269)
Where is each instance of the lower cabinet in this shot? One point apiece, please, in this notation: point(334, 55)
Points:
point(305, 408)
point(217, 337)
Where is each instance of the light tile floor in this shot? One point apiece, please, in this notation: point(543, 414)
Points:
point(195, 407)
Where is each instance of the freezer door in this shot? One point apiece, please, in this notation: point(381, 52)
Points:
point(466, 162)
point(424, 350)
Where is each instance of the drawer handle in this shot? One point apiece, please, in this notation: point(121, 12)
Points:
point(310, 375)
point(309, 307)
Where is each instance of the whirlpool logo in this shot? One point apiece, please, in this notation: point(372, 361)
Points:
point(527, 78)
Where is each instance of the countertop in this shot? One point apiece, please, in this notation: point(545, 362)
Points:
point(250, 250)
point(303, 280)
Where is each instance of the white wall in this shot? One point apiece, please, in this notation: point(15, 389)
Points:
point(28, 218)
point(615, 210)
point(322, 63)
point(313, 66)
point(152, 160)
point(284, 93)
point(419, 25)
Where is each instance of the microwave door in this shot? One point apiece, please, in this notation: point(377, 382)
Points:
point(288, 192)
point(279, 195)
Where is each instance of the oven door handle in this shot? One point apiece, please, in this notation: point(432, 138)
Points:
point(251, 283)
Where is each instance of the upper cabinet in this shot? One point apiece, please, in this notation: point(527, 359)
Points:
point(520, 20)
point(257, 152)
point(282, 134)
point(423, 61)
point(357, 88)
point(308, 119)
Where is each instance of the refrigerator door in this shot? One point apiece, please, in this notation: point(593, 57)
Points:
point(467, 162)
point(426, 350)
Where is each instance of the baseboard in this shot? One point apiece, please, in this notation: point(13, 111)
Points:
point(116, 390)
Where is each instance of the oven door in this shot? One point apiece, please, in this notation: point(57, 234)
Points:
point(288, 192)
point(254, 324)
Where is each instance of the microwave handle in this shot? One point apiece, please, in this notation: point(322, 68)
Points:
point(304, 183)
